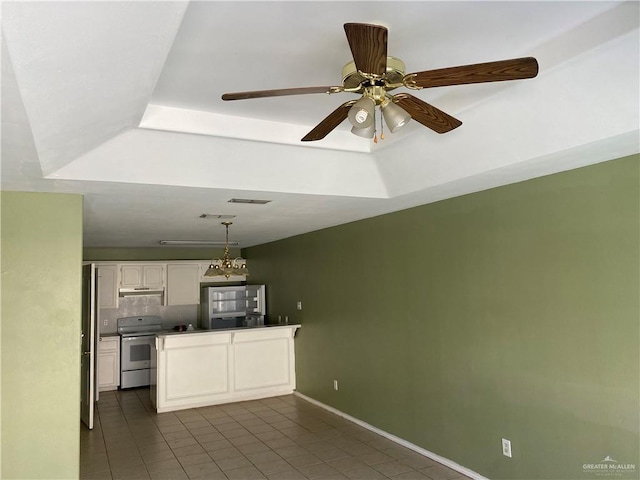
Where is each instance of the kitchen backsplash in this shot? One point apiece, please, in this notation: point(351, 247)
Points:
point(147, 305)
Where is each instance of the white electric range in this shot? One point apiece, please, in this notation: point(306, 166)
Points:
point(137, 341)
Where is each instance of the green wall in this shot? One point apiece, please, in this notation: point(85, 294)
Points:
point(512, 312)
point(41, 299)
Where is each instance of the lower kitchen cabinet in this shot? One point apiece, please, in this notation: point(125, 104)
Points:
point(203, 368)
point(108, 363)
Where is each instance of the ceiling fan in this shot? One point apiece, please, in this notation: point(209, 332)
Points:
point(373, 75)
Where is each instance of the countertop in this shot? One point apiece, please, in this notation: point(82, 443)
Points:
point(227, 330)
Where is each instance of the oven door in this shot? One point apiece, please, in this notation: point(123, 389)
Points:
point(135, 360)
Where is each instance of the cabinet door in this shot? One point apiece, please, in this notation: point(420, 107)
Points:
point(183, 284)
point(108, 372)
point(131, 276)
point(107, 286)
point(153, 276)
point(108, 363)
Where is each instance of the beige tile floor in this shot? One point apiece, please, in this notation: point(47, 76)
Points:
point(281, 438)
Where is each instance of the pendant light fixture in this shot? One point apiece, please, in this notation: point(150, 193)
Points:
point(226, 266)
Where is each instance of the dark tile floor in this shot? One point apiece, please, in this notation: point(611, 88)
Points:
point(281, 438)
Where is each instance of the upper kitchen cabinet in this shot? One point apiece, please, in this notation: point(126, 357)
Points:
point(149, 276)
point(107, 286)
point(183, 284)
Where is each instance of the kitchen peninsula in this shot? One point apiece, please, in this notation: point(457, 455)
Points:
point(209, 367)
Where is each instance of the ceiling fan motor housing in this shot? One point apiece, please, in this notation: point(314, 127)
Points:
point(352, 78)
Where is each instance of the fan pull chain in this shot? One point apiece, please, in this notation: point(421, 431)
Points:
point(375, 132)
point(381, 126)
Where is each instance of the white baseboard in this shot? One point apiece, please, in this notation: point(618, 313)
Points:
point(444, 461)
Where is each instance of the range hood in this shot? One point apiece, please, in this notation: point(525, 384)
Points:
point(141, 291)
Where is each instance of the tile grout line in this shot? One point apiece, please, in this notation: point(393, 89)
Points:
point(281, 423)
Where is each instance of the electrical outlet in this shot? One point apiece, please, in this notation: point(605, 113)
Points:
point(106, 322)
point(299, 305)
point(335, 384)
point(506, 447)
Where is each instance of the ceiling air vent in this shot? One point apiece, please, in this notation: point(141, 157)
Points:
point(248, 200)
point(215, 216)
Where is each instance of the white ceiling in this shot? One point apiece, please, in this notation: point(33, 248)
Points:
point(120, 101)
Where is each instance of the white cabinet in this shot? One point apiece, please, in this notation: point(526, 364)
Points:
point(207, 368)
point(151, 276)
point(183, 284)
point(108, 363)
point(107, 286)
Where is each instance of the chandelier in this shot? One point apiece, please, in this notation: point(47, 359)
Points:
point(226, 266)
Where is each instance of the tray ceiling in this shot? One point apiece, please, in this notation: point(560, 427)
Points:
point(120, 101)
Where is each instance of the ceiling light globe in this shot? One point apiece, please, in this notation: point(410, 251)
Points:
point(368, 132)
point(394, 116)
point(362, 114)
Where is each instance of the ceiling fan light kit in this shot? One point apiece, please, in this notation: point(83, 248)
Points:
point(372, 74)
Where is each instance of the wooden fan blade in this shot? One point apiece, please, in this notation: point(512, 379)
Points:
point(426, 114)
point(515, 69)
point(279, 92)
point(334, 119)
point(368, 45)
